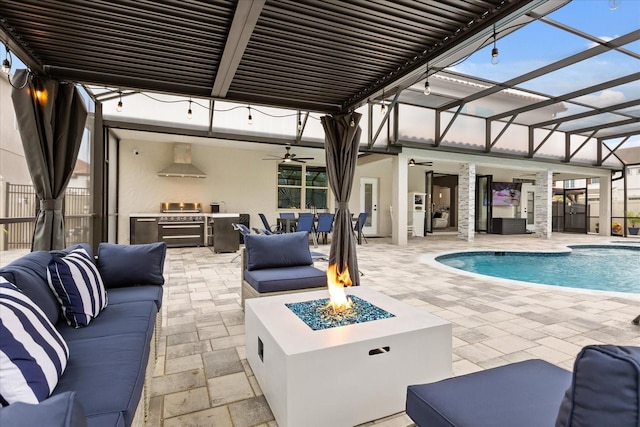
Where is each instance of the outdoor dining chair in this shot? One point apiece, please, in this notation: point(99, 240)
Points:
point(325, 225)
point(306, 223)
point(266, 224)
point(357, 229)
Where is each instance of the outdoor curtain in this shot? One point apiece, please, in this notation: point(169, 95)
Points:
point(342, 138)
point(51, 117)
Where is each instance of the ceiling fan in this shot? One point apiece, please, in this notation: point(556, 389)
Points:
point(413, 163)
point(289, 157)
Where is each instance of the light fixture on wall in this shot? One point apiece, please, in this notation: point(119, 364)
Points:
point(427, 86)
point(250, 119)
point(6, 62)
point(494, 51)
point(189, 112)
point(119, 106)
point(412, 163)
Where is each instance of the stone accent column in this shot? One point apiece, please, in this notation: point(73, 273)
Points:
point(467, 202)
point(544, 195)
point(399, 189)
point(604, 216)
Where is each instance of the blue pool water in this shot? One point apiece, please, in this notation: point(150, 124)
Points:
point(609, 268)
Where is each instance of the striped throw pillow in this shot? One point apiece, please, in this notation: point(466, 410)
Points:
point(33, 355)
point(76, 282)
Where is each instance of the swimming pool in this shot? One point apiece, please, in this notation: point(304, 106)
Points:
point(609, 268)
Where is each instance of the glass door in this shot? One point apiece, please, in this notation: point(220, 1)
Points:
point(428, 203)
point(483, 203)
point(575, 210)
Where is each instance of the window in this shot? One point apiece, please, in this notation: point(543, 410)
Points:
point(294, 192)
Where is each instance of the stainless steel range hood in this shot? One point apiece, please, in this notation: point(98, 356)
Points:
point(181, 166)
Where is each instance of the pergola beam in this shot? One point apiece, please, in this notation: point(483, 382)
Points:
point(245, 19)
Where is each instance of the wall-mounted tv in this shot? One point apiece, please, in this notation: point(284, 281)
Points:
point(506, 193)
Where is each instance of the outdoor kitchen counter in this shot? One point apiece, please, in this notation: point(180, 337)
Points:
point(190, 214)
point(217, 229)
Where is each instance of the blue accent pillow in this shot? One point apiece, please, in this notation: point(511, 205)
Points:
point(61, 410)
point(605, 389)
point(278, 250)
point(76, 282)
point(33, 355)
point(128, 265)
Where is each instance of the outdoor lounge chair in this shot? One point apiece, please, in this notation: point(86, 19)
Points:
point(306, 223)
point(266, 224)
point(604, 390)
point(325, 225)
point(357, 228)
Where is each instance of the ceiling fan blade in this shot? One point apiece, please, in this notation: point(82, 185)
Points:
point(303, 158)
point(298, 160)
point(276, 158)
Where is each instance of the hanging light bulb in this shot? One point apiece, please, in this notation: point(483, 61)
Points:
point(494, 51)
point(352, 122)
point(427, 86)
point(6, 62)
point(119, 106)
point(189, 112)
point(412, 163)
point(383, 106)
point(299, 122)
point(250, 119)
point(614, 4)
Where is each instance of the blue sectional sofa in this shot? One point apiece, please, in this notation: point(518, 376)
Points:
point(110, 360)
point(278, 264)
point(603, 390)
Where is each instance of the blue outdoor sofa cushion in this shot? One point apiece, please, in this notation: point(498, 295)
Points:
point(136, 293)
point(286, 279)
point(128, 265)
point(605, 390)
point(62, 410)
point(107, 374)
point(523, 394)
point(281, 250)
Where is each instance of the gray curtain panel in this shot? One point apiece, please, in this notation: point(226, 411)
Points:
point(51, 116)
point(341, 149)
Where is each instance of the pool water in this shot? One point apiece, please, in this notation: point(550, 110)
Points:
point(609, 268)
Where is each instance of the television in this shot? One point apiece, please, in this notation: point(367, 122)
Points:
point(506, 193)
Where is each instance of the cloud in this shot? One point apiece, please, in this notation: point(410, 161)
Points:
point(603, 38)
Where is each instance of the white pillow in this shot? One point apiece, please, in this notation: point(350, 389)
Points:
point(33, 355)
point(76, 282)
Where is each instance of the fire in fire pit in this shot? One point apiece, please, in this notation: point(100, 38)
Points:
point(318, 314)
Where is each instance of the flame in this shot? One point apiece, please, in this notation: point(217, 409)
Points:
point(337, 281)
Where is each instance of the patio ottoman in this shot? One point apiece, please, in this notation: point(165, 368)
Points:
point(523, 394)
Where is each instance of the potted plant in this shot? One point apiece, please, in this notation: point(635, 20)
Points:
point(616, 229)
point(634, 218)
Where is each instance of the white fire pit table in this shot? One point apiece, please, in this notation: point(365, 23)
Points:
point(345, 375)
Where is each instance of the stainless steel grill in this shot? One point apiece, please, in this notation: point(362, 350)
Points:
point(183, 227)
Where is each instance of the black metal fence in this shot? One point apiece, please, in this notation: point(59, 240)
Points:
point(21, 205)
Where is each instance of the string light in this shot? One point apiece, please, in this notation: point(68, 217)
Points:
point(494, 51)
point(383, 107)
point(299, 121)
point(6, 63)
point(352, 122)
point(250, 119)
point(189, 112)
point(119, 106)
point(427, 86)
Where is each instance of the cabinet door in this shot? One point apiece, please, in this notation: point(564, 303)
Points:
point(143, 230)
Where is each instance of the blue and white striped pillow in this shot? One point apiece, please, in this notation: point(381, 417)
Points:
point(76, 282)
point(33, 355)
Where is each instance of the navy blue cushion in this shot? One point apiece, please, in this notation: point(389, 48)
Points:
point(127, 265)
point(112, 419)
point(278, 250)
point(63, 410)
point(136, 293)
point(77, 284)
point(138, 317)
point(523, 394)
point(286, 279)
point(29, 274)
point(107, 373)
point(33, 355)
point(605, 390)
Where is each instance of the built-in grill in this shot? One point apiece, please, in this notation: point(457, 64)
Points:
point(182, 226)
